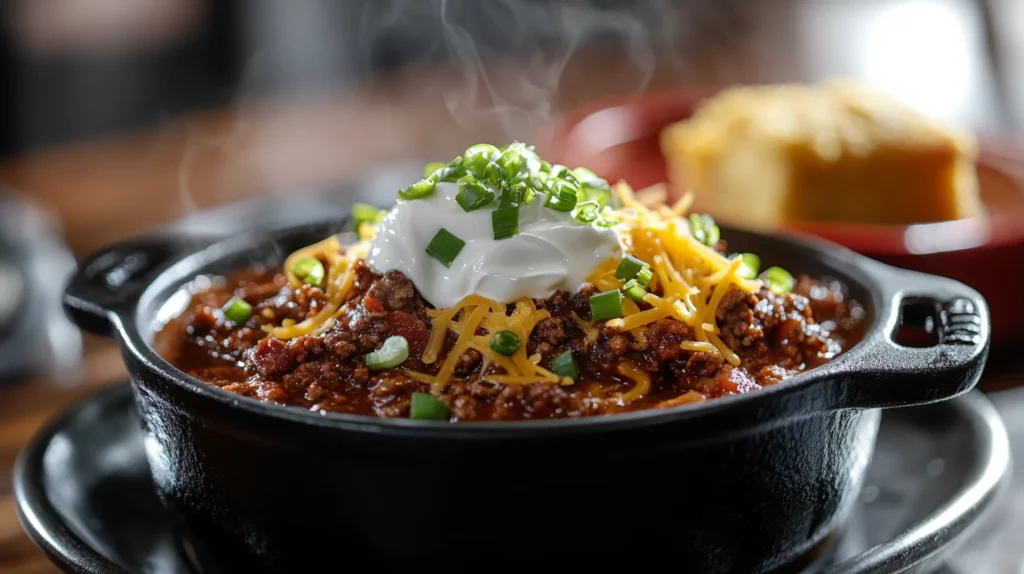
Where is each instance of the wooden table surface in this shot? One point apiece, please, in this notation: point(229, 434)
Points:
point(108, 190)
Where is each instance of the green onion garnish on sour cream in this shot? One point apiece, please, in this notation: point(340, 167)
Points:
point(499, 222)
point(504, 178)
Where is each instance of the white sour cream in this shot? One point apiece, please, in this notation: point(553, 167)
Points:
point(552, 251)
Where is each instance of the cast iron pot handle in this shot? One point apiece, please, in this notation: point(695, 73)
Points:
point(108, 283)
point(887, 374)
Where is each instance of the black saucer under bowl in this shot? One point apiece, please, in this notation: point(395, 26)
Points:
point(85, 496)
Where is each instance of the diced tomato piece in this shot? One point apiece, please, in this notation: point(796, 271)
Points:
point(414, 330)
point(373, 305)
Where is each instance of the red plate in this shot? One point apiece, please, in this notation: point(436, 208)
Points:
point(619, 139)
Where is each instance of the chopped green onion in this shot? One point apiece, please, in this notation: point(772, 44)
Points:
point(703, 229)
point(628, 267)
point(392, 353)
point(530, 157)
point(418, 190)
point(564, 366)
point(584, 175)
point(644, 276)
point(780, 281)
point(538, 181)
point(563, 196)
point(714, 234)
point(472, 195)
point(511, 176)
point(634, 290)
point(505, 343)
point(697, 227)
point(563, 173)
point(592, 187)
point(511, 161)
point(505, 221)
point(515, 193)
point(563, 186)
point(750, 266)
point(432, 167)
point(493, 174)
point(587, 212)
point(237, 310)
point(449, 173)
point(528, 194)
point(478, 157)
point(365, 213)
point(597, 185)
point(598, 196)
point(607, 305)
point(310, 270)
point(445, 247)
point(427, 407)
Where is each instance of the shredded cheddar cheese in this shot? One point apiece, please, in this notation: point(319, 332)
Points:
point(341, 275)
point(689, 282)
point(641, 380)
point(692, 277)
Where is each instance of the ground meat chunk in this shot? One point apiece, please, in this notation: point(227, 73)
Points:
point(736, 381)
point(369, 330)
point(740, 328)
point(467, 362)
point(309, 298)
point(609, 349)
point(550, 331)
point(397, 293)
point(774, 336)
point(392, 395)
point(470, 401)
point(618, 344)
point(563, 304)
point(340, 343)
point(704, 364)
point(664, 338)
point(542, 401)
point(271, 357)
point(307, 348)
point(771, 375)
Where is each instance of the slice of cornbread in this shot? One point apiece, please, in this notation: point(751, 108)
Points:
point(759, 156)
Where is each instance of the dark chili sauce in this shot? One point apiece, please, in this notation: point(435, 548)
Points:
point(775, 337)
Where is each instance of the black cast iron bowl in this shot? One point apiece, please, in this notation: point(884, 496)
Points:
point(746, 483)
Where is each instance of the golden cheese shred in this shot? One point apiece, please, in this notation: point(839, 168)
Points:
point(326, 248)
point(342, 276)
point(461, 345)
point(690, 281)
point(641, 379)
point(477, 312)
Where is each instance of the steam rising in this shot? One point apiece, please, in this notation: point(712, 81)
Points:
point(507, 62)
point(530, 98)
point(512, 56)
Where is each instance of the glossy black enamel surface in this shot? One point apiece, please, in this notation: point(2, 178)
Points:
point(85, 494)
point(739, 484)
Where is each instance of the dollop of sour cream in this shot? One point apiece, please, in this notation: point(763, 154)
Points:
point(551, 252)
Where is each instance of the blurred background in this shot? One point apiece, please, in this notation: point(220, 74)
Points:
point(82, 70)
point(118, 116)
